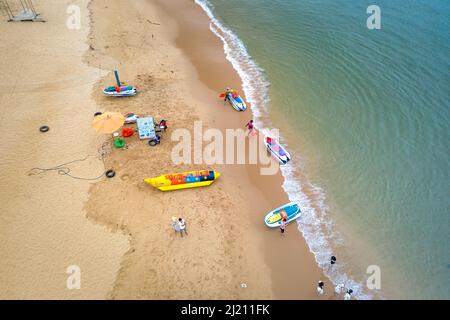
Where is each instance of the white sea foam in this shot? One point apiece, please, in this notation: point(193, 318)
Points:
point(254, 82)
point(314, 224)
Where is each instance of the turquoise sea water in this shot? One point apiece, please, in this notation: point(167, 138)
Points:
point(366, 114)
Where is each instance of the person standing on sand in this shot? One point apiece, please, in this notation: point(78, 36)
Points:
point(283, 225)
point(320, 288)
point(175, 225)
point(250, 127)
point(182, 225)
point(227, 95)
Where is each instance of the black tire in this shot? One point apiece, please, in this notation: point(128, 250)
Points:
point(110, 173)
point(44, 128)
point(98, 114)
point(152, 143)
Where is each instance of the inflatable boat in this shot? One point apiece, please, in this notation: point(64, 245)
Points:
point(184, 180)
point(291, 211)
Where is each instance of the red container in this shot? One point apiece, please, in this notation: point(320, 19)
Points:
point(127, 132)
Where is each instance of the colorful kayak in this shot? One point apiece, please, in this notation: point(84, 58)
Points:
point(277, 150)
point(125, 91)
point(291, 211)
point(184, 180)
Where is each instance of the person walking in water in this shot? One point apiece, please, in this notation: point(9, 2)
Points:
point(320, 286)
point(182, 226)
point(283, 225)
point(348, 295)
point(250, 127)
point(338, 289)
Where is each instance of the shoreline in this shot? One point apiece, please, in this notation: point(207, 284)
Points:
point(209, 262)
point(212, 68)
point(228, 245)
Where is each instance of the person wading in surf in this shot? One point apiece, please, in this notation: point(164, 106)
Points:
point(320, 288)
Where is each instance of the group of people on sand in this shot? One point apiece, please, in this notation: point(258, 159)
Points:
point(179, 225)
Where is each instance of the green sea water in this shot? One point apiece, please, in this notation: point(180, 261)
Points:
point(366, 114)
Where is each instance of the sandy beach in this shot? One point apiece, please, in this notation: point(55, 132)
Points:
point(43, 224)
point(118, 230)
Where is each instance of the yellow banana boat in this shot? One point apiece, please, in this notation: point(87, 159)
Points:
point(184, 180)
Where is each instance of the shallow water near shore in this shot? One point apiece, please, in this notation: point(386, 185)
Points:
point(365, 114)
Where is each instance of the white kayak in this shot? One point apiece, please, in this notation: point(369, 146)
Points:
point(277, 150)
point(291, 211)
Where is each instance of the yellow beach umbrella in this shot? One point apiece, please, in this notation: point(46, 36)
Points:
point(108, 122)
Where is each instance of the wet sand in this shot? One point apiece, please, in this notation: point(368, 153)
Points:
point(294, 272)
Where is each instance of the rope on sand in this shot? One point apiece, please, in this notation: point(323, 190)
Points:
point(155, 23)
point(64, 169)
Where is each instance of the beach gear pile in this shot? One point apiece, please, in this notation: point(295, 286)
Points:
point(110, 122)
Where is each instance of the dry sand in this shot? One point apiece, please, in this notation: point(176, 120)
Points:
point(43, 227)
point(227, 245)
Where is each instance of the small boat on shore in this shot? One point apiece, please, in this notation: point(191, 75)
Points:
point(125, 91)
point(184, 180)
point(290, 210)
point(237, 103)
point(118, 90)
point(277, 150)
point(235, 100)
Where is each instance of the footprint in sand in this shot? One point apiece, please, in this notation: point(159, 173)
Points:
point(125, 177)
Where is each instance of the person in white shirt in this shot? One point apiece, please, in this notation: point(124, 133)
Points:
point(348, 295)
point(320, 288)
point(175, 225)
point(182, 225)
point(338, 289)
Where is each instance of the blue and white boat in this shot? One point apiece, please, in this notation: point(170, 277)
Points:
point(118, 90)
point(290, 210)
point(125, 91)
point(237, 103)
